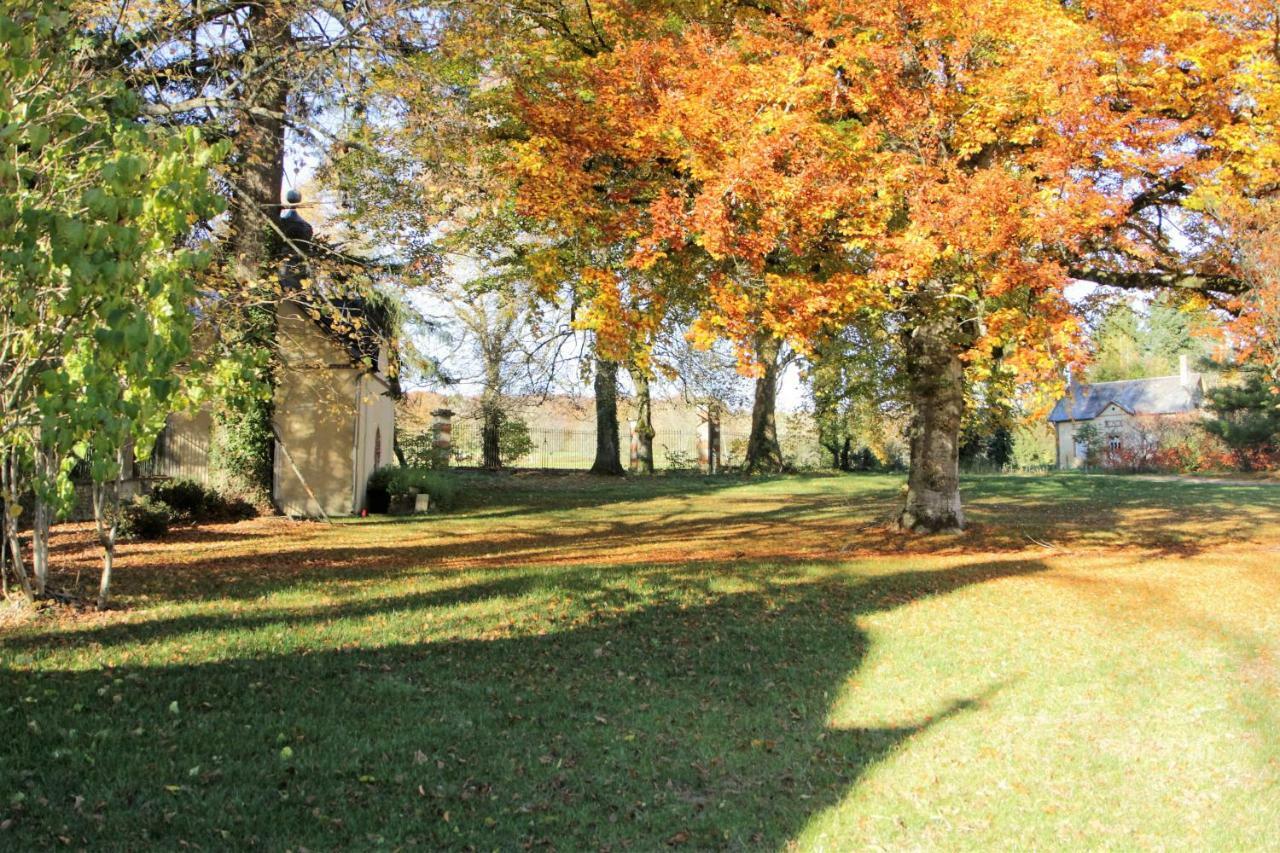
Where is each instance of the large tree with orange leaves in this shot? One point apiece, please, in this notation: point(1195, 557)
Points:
point(941, 168)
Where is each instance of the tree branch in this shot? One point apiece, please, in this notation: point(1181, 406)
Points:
point(1156, 280)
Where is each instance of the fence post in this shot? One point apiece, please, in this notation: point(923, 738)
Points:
point(442, 437)
point(709, 441)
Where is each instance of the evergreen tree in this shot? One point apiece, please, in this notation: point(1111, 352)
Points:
point(1247, 418)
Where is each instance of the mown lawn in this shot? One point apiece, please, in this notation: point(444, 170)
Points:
point(722, 663)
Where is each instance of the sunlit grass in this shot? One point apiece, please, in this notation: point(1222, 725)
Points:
point(711, 662)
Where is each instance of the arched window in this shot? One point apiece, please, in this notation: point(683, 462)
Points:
point(377, 448)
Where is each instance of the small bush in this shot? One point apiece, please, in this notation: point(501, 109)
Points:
point(186, 498)
point(189, 501)
point(232, 509)
point(144, 518)
point(418, 449)
point(514, 439)
point(389, 482)
point(377, 496)
point(679, 460)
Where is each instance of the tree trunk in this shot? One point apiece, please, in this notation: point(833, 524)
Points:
point(490, 435)
point(244, 452)
point(9, 482)
point(41, 517)
point(608, 453)
point(106, 517)
point(936, 381)
point(259, 164)
point(763, 451)
point(644, 422)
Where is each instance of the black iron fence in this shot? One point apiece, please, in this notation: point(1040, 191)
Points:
point(568, 448)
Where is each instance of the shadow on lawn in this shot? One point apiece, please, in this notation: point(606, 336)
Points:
point(1173, 517)
point(1006, 513)
point(690, 716)
point(803, 527)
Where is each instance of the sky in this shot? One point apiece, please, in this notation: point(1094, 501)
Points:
point(792, 394)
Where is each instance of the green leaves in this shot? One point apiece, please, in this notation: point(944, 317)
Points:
point(95, 273)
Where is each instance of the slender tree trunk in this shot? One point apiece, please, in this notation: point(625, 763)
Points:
point(936, 380)
point(490, 436)
point(106, 517)
point(644, 422)
point(763, 452)
point(41, 517)
point(491, 408)
point(9, 483)
point(4, 551)
point(834, 450)
point(608, 453)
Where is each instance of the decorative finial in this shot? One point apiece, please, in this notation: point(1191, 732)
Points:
point(293, 226)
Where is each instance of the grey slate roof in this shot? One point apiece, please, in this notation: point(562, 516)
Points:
point(1161, 395)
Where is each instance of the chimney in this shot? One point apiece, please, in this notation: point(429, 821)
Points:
point(1184, 370)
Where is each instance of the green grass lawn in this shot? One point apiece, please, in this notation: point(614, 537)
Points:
point(719, 663)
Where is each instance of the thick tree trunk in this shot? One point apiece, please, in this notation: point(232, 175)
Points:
point(608, 453)
point(259, 161)
point(936, 380)
point(763, 452)
point(644, 422)
point(243, 449)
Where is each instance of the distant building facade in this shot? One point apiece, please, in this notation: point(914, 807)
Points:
point(335, 419)
point(334, 405)
point(1117, 411)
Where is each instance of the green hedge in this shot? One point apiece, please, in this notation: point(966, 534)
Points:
point(190, 501)
point(392, 481)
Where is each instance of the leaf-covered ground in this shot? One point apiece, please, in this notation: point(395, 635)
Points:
point(576, 664)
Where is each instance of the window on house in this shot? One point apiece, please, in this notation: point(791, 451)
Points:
point(377, 448)
point(1113, 442)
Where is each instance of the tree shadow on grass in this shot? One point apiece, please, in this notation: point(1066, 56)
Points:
point(684, 716)
point(1166, 518)
point(197, 568)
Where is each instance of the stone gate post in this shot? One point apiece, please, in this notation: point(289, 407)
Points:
point(442, 437)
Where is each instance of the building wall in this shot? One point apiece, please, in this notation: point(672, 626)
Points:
point(315, 414)
point(1112, 423)
point(375, 428)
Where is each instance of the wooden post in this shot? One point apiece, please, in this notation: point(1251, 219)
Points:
point(709, 441)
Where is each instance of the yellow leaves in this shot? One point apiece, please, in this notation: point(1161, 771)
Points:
point(530, 156)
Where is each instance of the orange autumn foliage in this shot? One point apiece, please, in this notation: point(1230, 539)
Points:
point(831, 159)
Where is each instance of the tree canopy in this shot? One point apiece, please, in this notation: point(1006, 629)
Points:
point(943, 170)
